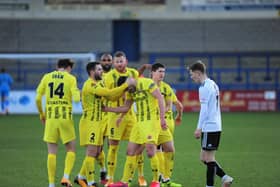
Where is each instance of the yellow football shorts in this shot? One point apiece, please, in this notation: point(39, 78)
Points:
point(56, 129)
point(91, 132)
point(145, 132)
point(121, 132)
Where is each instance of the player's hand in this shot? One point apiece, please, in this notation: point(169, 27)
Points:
point(147, 66)
point(163, 124)
point(197, 133)
point(178, 120)
point(131, 81)
point(43, 119)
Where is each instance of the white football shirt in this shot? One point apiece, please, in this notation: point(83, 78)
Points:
point(210, 112)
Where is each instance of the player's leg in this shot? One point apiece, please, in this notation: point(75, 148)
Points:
point(160, 156)
point(101, 163)
point(133, 147)
point(101, 157)
point(2, 100)
point(67, 134)
point(140, 166)
point(131, 162)
point(80, 179)
point(69, 163)
point(6, 102)
point(51, 163)
point(115, 134)
point(210, 143)
point(51, 137)
point(151, 153)
point(168, 154)
point(92, 152)
point(112, 159)
point(130, 124)
point(213, 168)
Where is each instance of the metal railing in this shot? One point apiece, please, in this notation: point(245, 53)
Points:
point(243, 76)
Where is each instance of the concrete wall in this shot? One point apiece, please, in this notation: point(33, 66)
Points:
point(210, 35)
point(55, 36)
point(156, 36)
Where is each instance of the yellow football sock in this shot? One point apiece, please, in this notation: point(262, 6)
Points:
point(83, 169)
point(161, 162)
point(69, 162)
point(51, 164)
point(155, 167)
point(140, 164)
point(101, 159)
point(112, 160)
point(169, 164)
point(90, 168)
point(129, 168)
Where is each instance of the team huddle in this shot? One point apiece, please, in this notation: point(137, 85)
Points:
point(118, 104)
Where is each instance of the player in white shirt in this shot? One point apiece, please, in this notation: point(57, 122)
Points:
point(209, 125)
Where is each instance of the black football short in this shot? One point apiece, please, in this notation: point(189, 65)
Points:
point(210, 140)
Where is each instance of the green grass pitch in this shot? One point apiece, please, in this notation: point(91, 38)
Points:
point(249, 151)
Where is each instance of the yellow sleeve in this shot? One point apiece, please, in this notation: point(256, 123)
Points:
point(173, 97)
point(169, 93)
point(118, 91)
point(108, 81)
point(76, 95)
point(152, 87)
point(39, 94)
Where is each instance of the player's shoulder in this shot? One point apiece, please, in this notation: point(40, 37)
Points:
point(132, 69)
point(206, 86)
point(165, 84)
point(147, 82)
point(112, 73)
point(88, 82)
point(91, 83)
point(71, 76)
point(209, 84)
point(133, 72)
point(48, 75)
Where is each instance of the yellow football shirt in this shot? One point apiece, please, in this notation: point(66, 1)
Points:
point(111, 81)
point(92, 93)
point(105, 101)
point(146, 104)
point(60, 88)
point(166, 92)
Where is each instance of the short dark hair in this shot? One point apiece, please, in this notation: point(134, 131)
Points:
point(198, 66)
point(3, 70)
point(119, 54)
point(156, 66)
point(64, 63)
point(105, 55)
point(91, 66)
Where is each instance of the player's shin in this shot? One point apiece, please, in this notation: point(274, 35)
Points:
point(129, 168)
point(169, 164)
point(154, 167)
point(69, 163)
point(51, 164)
point(112, 160)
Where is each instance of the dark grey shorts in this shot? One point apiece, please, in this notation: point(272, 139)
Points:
point(210, 140)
